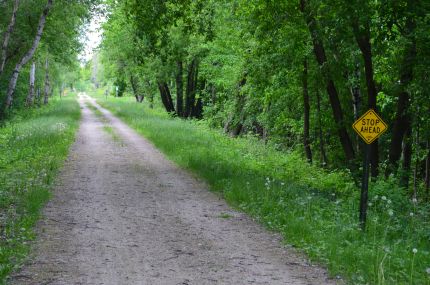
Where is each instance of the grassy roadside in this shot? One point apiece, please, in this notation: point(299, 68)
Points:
point(33, 146)
point(315, 210)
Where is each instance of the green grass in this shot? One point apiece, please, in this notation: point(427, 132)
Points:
point(315, 210)
point(96, 112)
point(116, 138)
point(225, 216)
point(33, 146)
point(108, 129)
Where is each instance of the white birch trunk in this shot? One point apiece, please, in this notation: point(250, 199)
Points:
point(38, 97)
point(47, 86)
point(62, 90)
point(7, 34)
point(30, 97)
point(26, 57)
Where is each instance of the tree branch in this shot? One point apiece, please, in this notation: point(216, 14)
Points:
point(6, 37)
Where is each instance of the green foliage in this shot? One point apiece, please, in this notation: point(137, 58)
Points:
point(60, 44)
point(250, 58)
point(121, 85)
point(33, 147)
point(315, 210)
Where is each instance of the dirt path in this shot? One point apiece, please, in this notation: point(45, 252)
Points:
point(123, 214)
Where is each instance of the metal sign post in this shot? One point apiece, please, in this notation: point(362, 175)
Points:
point(364, 187)
point(370, 127)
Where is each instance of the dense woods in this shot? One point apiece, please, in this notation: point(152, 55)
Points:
point(40, 42)
point(296, 73)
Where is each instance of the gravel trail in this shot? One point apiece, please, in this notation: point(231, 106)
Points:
point(121, 214)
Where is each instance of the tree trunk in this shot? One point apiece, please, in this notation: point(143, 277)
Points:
point(324, 160)
point(150, 95)
point(331, 88)
point(407, 158)
point(306, 140)
point(197, 109)
point(362, 38)
point(356, 100)
point(400, 126)
point(235, 127)
point(62, 90)
point(356, 93)
point(12, 83)
point(227, 123)
point(213, 93)
point(417, 161)
point(166, 98)
point(191, 89)
point(135, 88)
point(179, 90)
point(47, 84)
point(7, 35)
point(427, 175)
point(402, 121)
point(38, 97)
point(30, 96)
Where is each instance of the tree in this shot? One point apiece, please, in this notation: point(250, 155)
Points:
point(7, 36)
point(321, 57)
point(27, 57)
point(49, 29)
point(290, 72)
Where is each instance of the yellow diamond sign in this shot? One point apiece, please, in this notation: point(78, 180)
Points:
point(370, 126)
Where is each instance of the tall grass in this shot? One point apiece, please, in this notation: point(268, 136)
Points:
point(315, 210)
point(33, 146)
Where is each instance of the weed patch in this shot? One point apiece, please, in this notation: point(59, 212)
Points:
point(33, 147)
point(113, 134)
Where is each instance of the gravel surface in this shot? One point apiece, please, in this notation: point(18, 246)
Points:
point(121, 214)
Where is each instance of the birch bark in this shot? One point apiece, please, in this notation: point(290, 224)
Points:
point(30, 97)
point(26, 58)
point(47, 85)
point(7, 35)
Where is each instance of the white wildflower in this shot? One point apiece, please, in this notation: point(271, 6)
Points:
point(389, 201)
point(411, 214)
point(428, 271)
point(414, 250)
point(370, 204)
point(390, 213)
point(384, 198)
